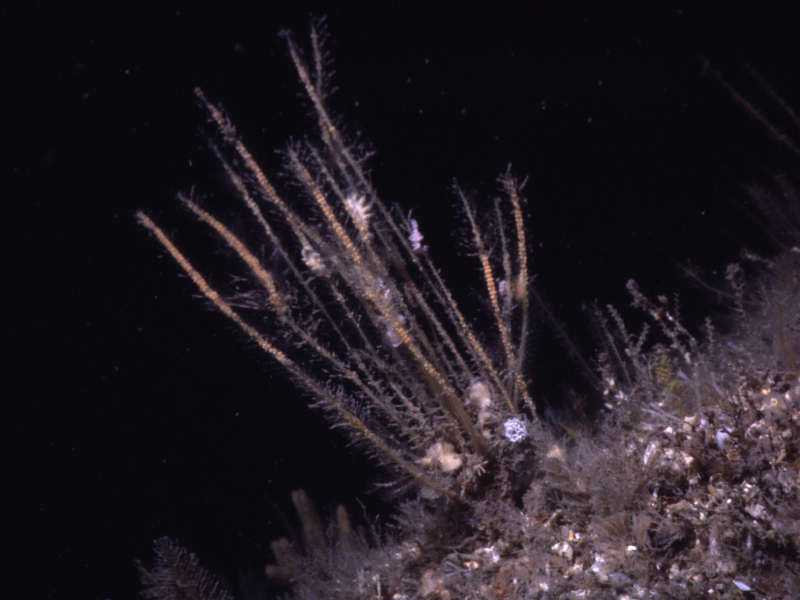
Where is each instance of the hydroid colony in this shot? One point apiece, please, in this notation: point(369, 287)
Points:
point(687, 485)
point(384, 348)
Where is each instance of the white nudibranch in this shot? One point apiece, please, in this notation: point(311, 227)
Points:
point(313, 260)
point(442, 455)
point(360, 212)
point(479, 394)
point(415, 237)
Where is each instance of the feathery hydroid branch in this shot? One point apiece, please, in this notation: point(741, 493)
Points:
point(368, 326)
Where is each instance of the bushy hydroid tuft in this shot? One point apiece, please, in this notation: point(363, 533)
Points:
point(685, 485)
point(362, 319)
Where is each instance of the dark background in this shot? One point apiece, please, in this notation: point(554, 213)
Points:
point(135, 411)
